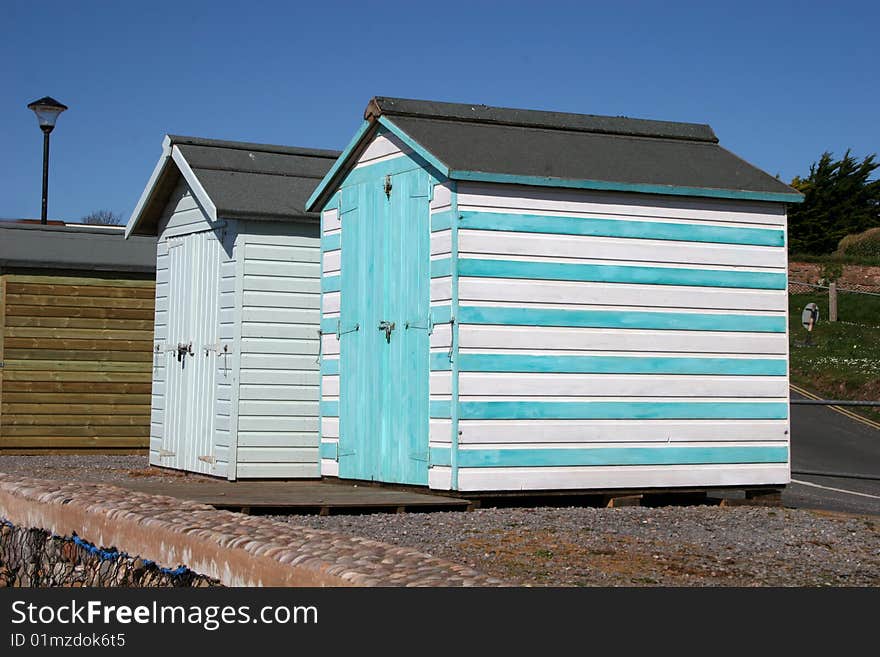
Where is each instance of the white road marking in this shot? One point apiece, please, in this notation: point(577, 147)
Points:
point(837, 490)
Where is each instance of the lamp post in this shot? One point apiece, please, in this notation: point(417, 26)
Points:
point(47, 110)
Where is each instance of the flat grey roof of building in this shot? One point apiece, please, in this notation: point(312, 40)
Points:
point(31, 245)
point(241, 180)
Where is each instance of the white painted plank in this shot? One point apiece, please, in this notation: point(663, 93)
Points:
point(329, 468)
point(278, 470)
point(330, 220)
point(277, 439)
point(583, 248)
point(332, 302)
point(441, 243)
point(284, 234)
point(278, 408)
point(281, 253)
point(329, 345)
point(546, 339)
point(277, 455)
point(310, 285)
point(503, 384)
point(593, 203)
point(382, 148)
point(526, 292)
point(275, 423)
point(330, 427)
point(440, 478)
point(440, 431)
point(621, 431)
point(332, 262)
point(279, 377)
point(305, 331)
point(330, 385)
point(281, 346)
point(276, 315)
point(441, 289)
point(282, 268)
point(278, 362)
point(273, 300)
point(442, 198)
point(601, 477)
point(441, 336)
point(277, 392)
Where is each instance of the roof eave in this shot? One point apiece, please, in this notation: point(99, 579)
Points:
point(159, 171)
point(639, 188)
point(341, 166)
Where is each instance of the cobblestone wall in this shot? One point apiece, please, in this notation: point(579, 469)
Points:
point(37, 558)
point(236, 549)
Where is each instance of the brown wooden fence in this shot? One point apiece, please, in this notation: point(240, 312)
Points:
point(77, 359)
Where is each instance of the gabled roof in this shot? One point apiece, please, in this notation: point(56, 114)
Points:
point(496, 144)
point(232, 180)
point(84, 247)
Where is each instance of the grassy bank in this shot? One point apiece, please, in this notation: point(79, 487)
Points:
point(844, 362)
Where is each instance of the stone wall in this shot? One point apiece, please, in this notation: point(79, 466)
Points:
point(236, 549)
point(37, 558)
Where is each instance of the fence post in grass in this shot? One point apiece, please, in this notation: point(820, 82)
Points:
point(832, 301)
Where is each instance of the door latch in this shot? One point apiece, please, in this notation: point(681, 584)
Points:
point(183, 349)
point(387, 327)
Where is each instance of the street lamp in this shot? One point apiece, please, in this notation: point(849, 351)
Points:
point(47, 110)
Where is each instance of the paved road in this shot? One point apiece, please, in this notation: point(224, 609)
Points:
point(823, 440)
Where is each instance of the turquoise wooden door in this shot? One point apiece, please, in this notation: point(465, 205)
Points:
point(384, 392)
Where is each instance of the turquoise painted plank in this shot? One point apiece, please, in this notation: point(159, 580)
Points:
point(440, 409)
point(440, 362)
point(649, 230)
point(331, 242)
point(620, 364)
point(620, 319)
point(608, 456)
point(329, 324)
point(546, 181)
point(329, 409)
point(547, 410)
point(337, 166)
point(441, 314)
point(441, 267)
point(442, 221)
point(558, 271)
point(329, 365)
point(330, 283)
point(329, 451)
point(423, 152)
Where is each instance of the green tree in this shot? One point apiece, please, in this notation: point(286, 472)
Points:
point(839, 198)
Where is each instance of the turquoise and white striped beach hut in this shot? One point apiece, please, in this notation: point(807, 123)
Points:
point(525, 300)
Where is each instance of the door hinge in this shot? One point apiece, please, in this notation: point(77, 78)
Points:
point(347, 452)
point(165, 454)
point(421, 456)
point(208, 459)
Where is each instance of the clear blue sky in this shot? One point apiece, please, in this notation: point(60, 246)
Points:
point(779, 81)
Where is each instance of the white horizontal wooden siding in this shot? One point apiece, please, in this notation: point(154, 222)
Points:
point(279, 378)
point(622, 366)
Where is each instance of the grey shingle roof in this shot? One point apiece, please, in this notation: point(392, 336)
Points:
point(495, 143)
point(75, 247)
point(242, 179)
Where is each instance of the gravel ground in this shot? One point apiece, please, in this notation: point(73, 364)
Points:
point(629, 546)
point(636, 546)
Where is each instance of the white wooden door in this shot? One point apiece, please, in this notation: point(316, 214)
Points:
point(191, 353)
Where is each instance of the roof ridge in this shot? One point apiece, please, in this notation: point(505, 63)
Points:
point(252, 146)
point(567, 121)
